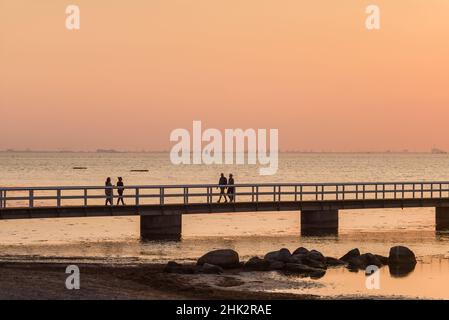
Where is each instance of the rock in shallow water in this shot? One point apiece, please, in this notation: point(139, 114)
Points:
point(363, 261)
point(401, 255)
point(257, 264)
point(297, 258)
point(276, 265)
point(281, 255)
point(382, 259)
point(301, 250)
point(354, 253)
point(316, 256)
point(314, 263)
point(334, 262)
point(225, 258)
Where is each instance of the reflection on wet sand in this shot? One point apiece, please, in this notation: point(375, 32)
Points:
point(400, 271)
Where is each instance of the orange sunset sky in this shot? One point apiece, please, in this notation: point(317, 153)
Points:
point(138, 69)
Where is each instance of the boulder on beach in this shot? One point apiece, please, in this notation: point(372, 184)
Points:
point(174, 267)
point(225, 258)
point(354, 253)
point(210, 269)
point(382, 259)
point(401, 270)
point(276, 265)
point(300, 250)
point(281, 255)
point(363, 261)
point(257, 264)
point(297, 258)
point(314, 263)
point(316, 256)
point(401, 255)
point(330, 261)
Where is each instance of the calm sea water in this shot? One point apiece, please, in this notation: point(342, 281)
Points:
point(117, 239)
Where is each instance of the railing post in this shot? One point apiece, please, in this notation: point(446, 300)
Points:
point(363, 192)
point(31, 198)
point(211, 191)
point(316, 192)
point(4, 199)
point(441, 194)
point(1, 198)
point(274, 194)
point(431, 190)
point(403, 192)
point(357, 192)
point(58, 198)
point(137, 197)
point(300, 193)
point(395, 190)
point(252, 193)
point(85, 197)
point(375, 190)
point(343, 194)
point(296, 193)
point(279, 193)
point(184, 195)
point(161, 196)
point(422, 190)
point(187, 195)
point(257, 193)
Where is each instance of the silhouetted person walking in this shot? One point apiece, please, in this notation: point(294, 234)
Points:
point(231, 190)
point(120, 190)
point(222, 185)
point(108, 192)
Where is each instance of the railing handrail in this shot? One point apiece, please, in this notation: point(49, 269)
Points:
point(301, 191)
point(174, 186)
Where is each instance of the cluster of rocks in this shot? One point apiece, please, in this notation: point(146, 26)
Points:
point(213, 262)
point(302, 261)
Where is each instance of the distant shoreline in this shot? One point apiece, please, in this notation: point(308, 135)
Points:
point(166, 151)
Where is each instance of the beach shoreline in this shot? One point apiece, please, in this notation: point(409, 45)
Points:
point(46, 280)
point(27, 280)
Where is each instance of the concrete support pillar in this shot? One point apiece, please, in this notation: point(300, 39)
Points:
point(442, 218)
point(319, 222)
point(161, 227)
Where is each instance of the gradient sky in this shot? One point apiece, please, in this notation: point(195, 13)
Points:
point(138, 69)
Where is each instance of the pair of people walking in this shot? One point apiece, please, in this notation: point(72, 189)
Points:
point(109, 191)
point(225, 184)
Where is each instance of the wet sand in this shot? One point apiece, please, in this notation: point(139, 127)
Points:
point(37, 280)
point(45, 280)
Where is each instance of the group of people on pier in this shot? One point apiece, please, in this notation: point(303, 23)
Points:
point(227, 190)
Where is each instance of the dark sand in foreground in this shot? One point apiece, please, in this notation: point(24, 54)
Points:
point(25, 280)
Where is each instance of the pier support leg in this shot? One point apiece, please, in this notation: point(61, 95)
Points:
point(160, 227)
point(442, 218)
point(319, 222)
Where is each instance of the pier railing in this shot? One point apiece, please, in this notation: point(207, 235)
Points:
point(19, 197)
